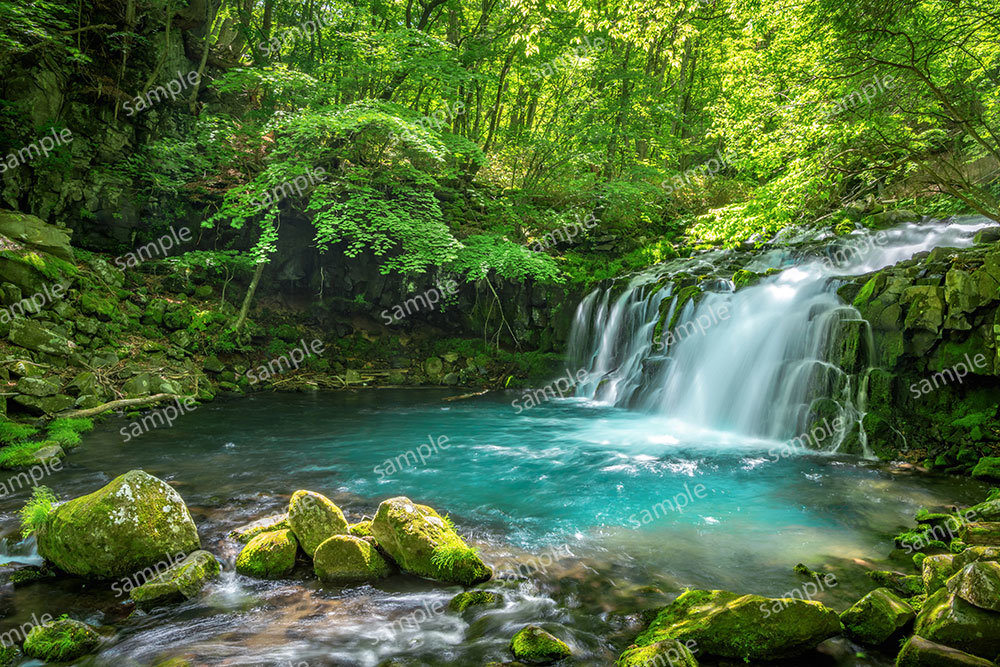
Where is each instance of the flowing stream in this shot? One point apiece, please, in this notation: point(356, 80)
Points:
point(661, 475)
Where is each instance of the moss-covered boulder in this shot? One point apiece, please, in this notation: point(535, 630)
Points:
point(245, 533)
point(314, 518)
point(985, 511)
point(345, 559)
point(268, 555)
point(666, 652)
point(906, 585)
point(935, 570)
point(361, 529)
point(918, 652)
point(877, 617)
point(124, 527)
point(978, 584)
point(181, 581)
point(533, 645)
point(747, 627)
point(973, 554)
point(422, 543)
point(986, 533)
point(987, 469)
point(61, 640)
point(467, 599)
point(947, 619)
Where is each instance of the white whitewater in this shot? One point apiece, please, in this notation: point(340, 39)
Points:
point(755, 362)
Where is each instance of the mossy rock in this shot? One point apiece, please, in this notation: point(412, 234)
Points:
point(361, 529)
point(919, 652)
point(877, 617)
point(421, 543)
point(126, 526)
point(948, 619)
point(61, 640)
point(985, 511)
point(906, 585)
point(534, 645)
point(935, 570)
point(314, 519)
point(9, 656)
point(181, 581)
point(244, 534)
point(346, 559)
point(987, 469)
point(986, 533)
point(665, 652)
point(467, 599)
point(978, 584)
point(747, 627)
point(973, 554)
point(269, 555)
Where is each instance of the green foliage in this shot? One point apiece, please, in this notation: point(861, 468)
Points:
point(36, 510)
point(12, 432)
point(448, 558)
point(67, 432)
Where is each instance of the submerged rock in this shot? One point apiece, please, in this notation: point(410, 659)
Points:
point(467, 599)
point(979, 584)
point(61, 640)
point(269, 555)
point(748, 627)
point(345, 559)
point(181, 581)
point(314, 518)
point(534, 645)
point(877, 617)
point(948, 619)
point(665, 652)
point(119, 529)
point(421, 543)
point(918, 652)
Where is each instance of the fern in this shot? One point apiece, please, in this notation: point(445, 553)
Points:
point(447, 558)
point(36, 510)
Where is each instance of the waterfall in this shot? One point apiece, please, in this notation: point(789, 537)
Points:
point(766, 361)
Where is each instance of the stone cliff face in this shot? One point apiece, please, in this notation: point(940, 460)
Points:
point(932, 393)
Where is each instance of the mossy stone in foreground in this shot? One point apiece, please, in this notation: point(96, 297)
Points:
point(119, 529)
point(935, 570)
point(534, 645)
point(948, 619)
point(919, 652)
point(61, 640)
point(421, 543)
point(666, 652)
point(314, 518)
point(345, 559)
point(748, 627)
point(463, 601)
point(978, 584)
point(181, 581)
point(268, 555)
point(877, 617)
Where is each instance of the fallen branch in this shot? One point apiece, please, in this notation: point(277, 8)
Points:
point(120, 403)
point(462, 397)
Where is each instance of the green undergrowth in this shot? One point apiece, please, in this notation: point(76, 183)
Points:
point(36, 510)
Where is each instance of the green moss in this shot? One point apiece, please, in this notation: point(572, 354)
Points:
point(667, 652)
point(20, 455)
point(35, 512)
point(918, 560)
point(9, 656)
point(988, 469)
point(268, 555)
point(60, 641)
point(346, 559)
point(361, 529)
point(467, 599)
point(66, 432)
point(12, 432)
point(533, 644)
point(314, 518)
point(861, 300)
point(876, 617)
point(181, 581)
point(905, 585)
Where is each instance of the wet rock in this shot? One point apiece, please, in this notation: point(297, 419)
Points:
point(314, 518)
point(36, 233)
point(33, 336)
point(36, 386)
point(467, 599)
point(122, 528)
point(213, 365)
point(361, 529)
point(421, 543)
point(948, 619)
point(49, 405)
point(536, 646)
point(985, 533)
point(268, 555)
point(918, 652)
point(988, 469)
point(978, 584)
point(877, 617)
point(181, 581)
point(345, 559)
point(267, 524)
point(935, 570)
point(973, 554)
point(665, 652)
point(904, 584)
point(747, 627)
point(985, 511)
point(61, 641)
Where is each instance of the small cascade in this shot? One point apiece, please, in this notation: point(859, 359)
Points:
point(780, 359)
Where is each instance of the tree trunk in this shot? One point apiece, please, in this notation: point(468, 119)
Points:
point(241, 318)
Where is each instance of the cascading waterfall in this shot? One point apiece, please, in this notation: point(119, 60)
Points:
point(766, 361)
